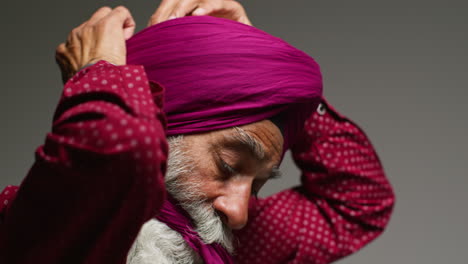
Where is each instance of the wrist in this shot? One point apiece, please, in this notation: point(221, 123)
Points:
point(94, 62)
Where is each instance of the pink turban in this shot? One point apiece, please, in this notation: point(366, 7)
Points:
point(218, 73)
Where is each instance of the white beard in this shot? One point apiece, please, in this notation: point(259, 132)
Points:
point(156, 242)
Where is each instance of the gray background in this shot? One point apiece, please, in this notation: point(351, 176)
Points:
point(397, 68)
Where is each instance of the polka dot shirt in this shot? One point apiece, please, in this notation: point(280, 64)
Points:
point(99, 177)
point(344, 202)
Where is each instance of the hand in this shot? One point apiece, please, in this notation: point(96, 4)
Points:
point(102, 37)
point(229, 9)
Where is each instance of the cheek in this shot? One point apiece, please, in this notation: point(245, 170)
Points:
point(205, 172)
point(209, 182)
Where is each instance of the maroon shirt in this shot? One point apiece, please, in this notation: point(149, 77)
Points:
point(100, 175)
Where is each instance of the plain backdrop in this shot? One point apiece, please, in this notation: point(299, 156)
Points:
point(398, 68)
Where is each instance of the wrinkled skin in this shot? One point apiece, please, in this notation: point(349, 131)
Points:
point(228, 172)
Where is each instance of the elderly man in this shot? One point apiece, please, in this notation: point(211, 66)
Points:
point(228, 100)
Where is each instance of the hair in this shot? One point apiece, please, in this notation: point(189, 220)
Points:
point(156, 241)
point(208, 224)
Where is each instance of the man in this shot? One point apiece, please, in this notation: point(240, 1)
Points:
point(98, 178)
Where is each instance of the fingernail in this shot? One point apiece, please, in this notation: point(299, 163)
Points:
point(171, 17)
point(199, 11)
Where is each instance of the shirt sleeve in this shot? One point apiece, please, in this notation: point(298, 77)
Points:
point(344, 202)
point(97, 178)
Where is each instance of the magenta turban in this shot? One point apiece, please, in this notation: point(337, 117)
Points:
point(218, 73)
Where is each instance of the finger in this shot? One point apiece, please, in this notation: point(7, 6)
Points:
point(60, 50)
point(96, 16)
point(64, 69)
point(114, 29)
point(74, 34)
point(202, 10)
point(129, 27)
point(183, 8)
point(99, 14)
point(228, 9)
point(163, 12)
point(66, 57)
point(207, 8)
point(73, 43)
point(121, 16)
point(64, 62)
point(59, 54)
point(237, 11)
point(124, 19)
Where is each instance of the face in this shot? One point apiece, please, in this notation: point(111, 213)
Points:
point(223, 169)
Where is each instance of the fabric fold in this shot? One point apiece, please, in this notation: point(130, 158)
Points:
point(177, 219)
point(219, 73)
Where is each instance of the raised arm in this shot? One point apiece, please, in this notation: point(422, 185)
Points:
point(344, 202)
point(99, 175)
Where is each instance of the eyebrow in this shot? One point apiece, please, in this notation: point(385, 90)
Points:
point(249, 142)
point(255, 148)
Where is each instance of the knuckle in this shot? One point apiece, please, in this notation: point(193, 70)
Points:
point(102, 25)
point(104, 8)
point(60, 48)
point(75, 31)
point(88, 30)
point(121, 9)
point(117, 14)
point(103, 21)
point(153, 20)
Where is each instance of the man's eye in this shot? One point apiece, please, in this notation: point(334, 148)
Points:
point(226, 168)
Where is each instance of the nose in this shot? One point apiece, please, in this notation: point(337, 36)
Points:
point(234, 205)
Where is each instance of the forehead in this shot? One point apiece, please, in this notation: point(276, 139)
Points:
point(262, 139)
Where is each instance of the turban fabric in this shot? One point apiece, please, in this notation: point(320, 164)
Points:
point(219, 73)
